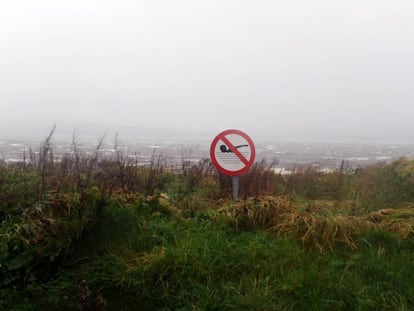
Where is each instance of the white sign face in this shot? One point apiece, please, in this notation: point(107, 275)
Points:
point(232, 152)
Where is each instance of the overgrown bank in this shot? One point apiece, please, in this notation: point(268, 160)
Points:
point(91, 233)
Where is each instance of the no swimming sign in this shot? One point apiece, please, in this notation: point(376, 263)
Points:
point(232, 152)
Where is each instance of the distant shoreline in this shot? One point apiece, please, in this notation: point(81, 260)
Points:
point(287, 155)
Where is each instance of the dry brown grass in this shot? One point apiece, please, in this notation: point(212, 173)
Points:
point(399, 221)
point(321, 231)
point(315, 226)
point(261, 212)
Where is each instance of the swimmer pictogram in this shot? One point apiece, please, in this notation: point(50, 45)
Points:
point(223, 148)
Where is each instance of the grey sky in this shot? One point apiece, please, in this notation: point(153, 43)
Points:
point(325, 70)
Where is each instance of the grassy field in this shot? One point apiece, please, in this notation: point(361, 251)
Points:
point(88, 233)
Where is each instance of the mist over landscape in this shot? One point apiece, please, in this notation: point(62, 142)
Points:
point(322, 71)
point(206, 155)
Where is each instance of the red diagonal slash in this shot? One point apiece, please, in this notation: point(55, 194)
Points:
point(235, 150)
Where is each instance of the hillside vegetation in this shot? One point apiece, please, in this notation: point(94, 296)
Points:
point(92, 233)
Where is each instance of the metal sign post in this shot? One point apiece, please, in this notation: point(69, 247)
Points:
point(232, 153)
point(235, 180)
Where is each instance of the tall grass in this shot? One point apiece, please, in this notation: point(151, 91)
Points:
point(93, 232)
point(160, 261)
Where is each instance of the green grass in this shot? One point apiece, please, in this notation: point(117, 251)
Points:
point(135, 257)
point(120, 237)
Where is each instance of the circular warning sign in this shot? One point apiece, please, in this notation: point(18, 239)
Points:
point(232, 152)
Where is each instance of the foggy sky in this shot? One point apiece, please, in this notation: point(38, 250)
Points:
point(301, 70)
